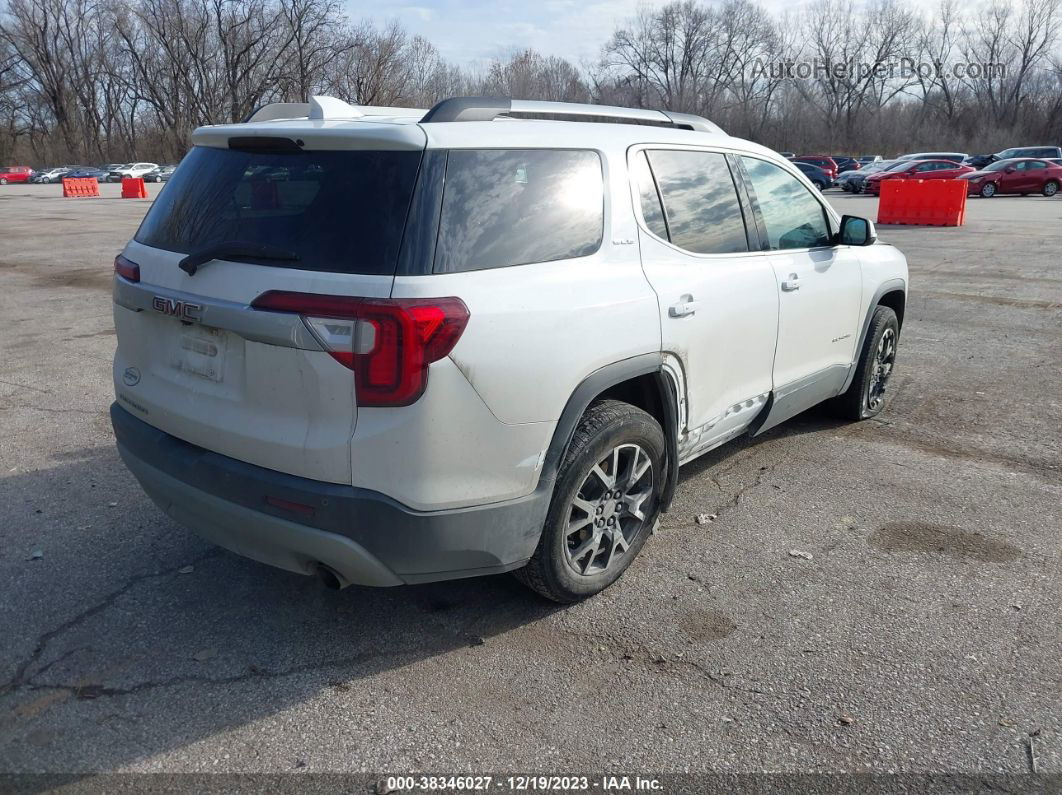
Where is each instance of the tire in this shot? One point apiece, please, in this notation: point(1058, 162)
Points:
point(865, 396)
point(3, 181)
point(988, 190)
point(579, 552)
point(1050, 188)
point(820, 185)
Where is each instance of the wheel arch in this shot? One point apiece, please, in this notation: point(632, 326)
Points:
point(640, 381)
point(893, 294)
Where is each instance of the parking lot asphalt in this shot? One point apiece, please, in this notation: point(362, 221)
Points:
point(919, 632)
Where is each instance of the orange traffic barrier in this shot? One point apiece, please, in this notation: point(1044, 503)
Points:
point(133, 188)
point(923, 202)
point(80, 187)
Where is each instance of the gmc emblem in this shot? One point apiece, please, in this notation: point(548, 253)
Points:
point(184, 310)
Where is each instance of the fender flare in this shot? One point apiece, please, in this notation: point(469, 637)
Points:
point(890, 286)
point(593, 385)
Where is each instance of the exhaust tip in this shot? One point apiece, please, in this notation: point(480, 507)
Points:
point(328, 578)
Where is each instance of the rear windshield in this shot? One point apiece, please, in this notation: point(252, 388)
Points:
point(334, 211)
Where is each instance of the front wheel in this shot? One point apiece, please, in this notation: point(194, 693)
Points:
point(865, 396)
point(605, 502)
point(988, 190)
point(1050, 188)
point(3, 180)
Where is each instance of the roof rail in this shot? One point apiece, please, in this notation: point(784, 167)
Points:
point(321, 107)
point(490, 108)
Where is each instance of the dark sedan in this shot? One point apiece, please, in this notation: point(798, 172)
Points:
point(160, 174)
point(820, 178)
point(97, 174)
point(845, 163)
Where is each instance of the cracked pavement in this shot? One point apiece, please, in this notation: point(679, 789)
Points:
point(922, 633)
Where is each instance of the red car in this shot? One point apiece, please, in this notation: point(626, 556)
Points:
point(826, 163)
point(917, 169)
point(15, 174)
point(1022, 175)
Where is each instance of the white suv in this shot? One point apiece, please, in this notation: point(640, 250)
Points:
point(130, 170)
point(385, 347)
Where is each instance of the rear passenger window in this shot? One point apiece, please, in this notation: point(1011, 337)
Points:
point(700, 200)
point(652, 212)
point(793, 217)
point(504, 207)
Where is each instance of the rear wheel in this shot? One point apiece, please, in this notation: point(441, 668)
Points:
point(605, 503)
point(865, 396)
point(3, 180)
point(1050, 188)
point(988, 190)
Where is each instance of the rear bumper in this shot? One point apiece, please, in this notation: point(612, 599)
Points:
point(365, 537)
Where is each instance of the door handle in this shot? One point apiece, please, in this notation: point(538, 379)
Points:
point(686, 306)
point(791, 284)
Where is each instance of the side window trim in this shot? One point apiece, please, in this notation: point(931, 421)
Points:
point(644, 153)
point(420, 235)
point(755, 230)
point(831, 224)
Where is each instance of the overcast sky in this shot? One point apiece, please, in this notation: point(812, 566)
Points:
point(470, 32)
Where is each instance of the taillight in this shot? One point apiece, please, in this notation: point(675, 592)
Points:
point(126, 268)
point(387, 342)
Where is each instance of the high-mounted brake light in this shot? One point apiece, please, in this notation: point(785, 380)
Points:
point(387, 342)
point(126, 268)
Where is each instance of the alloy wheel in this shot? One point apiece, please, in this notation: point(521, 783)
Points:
point(609, 510)
point(884, 358)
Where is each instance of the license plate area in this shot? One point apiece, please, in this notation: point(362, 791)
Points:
point(200, 351)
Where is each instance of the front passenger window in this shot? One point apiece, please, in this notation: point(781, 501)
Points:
point(793, 217)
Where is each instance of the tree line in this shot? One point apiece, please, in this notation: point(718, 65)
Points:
point(86, 81)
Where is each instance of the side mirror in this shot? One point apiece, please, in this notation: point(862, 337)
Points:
point(856, 231)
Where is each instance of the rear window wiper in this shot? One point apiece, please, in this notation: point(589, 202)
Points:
point(235, 250)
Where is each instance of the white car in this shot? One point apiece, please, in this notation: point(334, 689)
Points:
point(50, 175)
point(131, 170)
point(385, 346)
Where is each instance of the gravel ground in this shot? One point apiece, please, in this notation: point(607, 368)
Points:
point(920, 633)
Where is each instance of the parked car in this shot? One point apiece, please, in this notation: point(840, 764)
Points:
point(955, 157)
point(445, 423)
point(1016, 175)
point(917, 169)
point(12, 174)
point(97, 174)
point(820, 178)
point(50, 175)
point(865, 159)
point(1043, 152)
point(787, 155)
point(826, 163)
point(853, 181)
point(160, 174)
point(845, 163)
point(131, 170)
